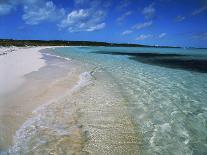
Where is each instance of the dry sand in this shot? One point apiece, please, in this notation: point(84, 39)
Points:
point(14, 65)
point(28, 79)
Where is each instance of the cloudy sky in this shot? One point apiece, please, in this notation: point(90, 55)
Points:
point(162, 22)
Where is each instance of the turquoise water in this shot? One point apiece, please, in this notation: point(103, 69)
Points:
point(166, 95)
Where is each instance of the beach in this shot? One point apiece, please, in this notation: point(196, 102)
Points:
point(27, 82)
point(103, 77)
point(100, 100)
point(48, 109)
point(15, 63)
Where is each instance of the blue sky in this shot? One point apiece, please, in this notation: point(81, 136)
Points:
point(152, 22)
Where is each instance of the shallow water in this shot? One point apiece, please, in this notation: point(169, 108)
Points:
point(166, 93)
point(120, 101)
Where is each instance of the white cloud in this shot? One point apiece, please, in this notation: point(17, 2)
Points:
point(200, 36)
point(35, 14)
point(96, 27)
point(5, 9)
point(88, 15)
point(143, 37)
point(83, 20)
point(179, 18)
point(200, 10)
point(149, 11)
point(34, 11)
point(127, 32)
point(6, 6)
point(147, 36)
point(142, 25)
point(162, 35)
point(126, 14)
point(91, 18)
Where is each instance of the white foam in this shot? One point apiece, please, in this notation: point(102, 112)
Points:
point(41, 120)
point(84, 80)
point(165, 127)
point(57, 56)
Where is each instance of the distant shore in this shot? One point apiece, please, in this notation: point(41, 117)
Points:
point(11, 42)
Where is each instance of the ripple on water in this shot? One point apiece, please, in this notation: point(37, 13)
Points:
point(92, 118)
point(167, 105)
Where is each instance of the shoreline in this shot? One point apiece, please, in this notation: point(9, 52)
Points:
point(36, 78)
point(121, 108)
point(67, 106)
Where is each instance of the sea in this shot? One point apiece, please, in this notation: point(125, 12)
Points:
point(129, 100)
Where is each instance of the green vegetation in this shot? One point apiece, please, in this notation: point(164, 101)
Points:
point(11, 42)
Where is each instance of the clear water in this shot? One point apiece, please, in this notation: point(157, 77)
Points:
point(119, 101)
point(167, 103)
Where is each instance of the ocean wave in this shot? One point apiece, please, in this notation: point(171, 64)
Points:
point(57, 56)
point(51, 123)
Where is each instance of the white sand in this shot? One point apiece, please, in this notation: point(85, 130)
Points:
point(14, 65)
point(6, 50)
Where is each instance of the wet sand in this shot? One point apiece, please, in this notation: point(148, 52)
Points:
point(36, 88)
point(67, 107)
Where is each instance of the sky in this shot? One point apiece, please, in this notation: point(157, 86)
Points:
point(151, 22)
